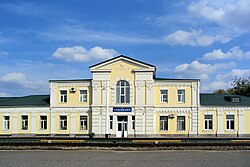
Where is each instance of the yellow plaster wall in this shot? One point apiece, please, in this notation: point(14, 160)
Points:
point(78, 131)
point(19, 123)
point(1, 124)
point(202, 122)
point(172, 97)
point(57, 123)
point(247, 121)
point(172, 124)
point(235, 122)
point(73, 99)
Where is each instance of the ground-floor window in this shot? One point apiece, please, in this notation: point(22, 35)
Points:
point(43, 122)
point(6, 122)
point(180, 123)
point(63, 122)
point(83, 123)
point(110, 122)
point(208, 122)
point(230, 122)
point(24, 122)
point(163, 123)
point(133, 122)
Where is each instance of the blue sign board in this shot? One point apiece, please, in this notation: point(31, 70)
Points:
point(122, 109)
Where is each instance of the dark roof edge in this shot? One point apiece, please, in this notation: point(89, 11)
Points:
point(69, 80)
point(124, 57)
point(174, 79)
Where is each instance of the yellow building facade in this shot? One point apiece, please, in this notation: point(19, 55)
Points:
point(124, 98)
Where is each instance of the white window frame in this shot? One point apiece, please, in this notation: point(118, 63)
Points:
point(24, 127)
point(83, 122)
point(181, 124)
point(6, 123)
point(228, 122)
point(43, 123)
point(162, 98)
point(163, 122)
point(182, 96)
point(83, 97)
point(125, 94)
point(63, 97)
point(207, 122)
point(62, 125)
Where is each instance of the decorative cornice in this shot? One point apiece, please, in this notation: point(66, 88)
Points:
point(223, 108)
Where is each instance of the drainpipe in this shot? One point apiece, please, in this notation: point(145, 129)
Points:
point(107, 111)
point(50, 109)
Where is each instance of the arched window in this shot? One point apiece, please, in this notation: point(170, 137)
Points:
point(122, 92)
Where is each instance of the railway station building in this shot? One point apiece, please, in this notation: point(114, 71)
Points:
point(124, 98)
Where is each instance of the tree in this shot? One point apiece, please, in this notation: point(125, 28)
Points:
point(240, 86)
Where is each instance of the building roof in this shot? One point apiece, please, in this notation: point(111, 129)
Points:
point(122, 56)
point(69, 80)
point(210, 99)
point(25, 101)
point(174, 79)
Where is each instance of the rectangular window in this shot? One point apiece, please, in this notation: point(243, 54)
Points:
point(83, 95)
point(164, 96)
point(63, 96)
point(181, 96)
point(230, 122)
point(63, 122)
point(208, 122)
point(6, 122)
point(43, 122)
point(83, 123)
point(110, 122)
point(163, 123)
point(180, 123)
point(24, 122)
point(133, 122)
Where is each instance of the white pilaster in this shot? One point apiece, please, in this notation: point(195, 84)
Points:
point(150, 93)
point(14, 124)
point(73, 123)
point(219, 122)
point(33, 123)
point(241, 122)
point(53, 122)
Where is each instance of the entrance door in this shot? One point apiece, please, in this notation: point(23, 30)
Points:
point(122, 126)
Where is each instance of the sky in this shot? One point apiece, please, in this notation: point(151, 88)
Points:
point(199, 39)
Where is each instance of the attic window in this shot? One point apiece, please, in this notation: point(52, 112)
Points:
point(235, 100)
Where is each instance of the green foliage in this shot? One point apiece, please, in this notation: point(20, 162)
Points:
point(240, 86)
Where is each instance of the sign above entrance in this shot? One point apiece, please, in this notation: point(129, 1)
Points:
point(122, 109)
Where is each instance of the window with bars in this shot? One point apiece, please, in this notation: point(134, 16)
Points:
point(122, 92)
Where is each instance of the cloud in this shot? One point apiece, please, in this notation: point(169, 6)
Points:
point(80, 54)
point(234, 13)
point(3, 54)
point(3, 94)
point(17, 79)
point(233, 53)
point(193, 38)
point(199, 70)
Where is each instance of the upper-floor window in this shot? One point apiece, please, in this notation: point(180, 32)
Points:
point(181, 96)
point(230, 122)
point(63, 96)
point(6, 122)
point(164, 96)
point(24, 122)
point(83, 95)
point(122, 92)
